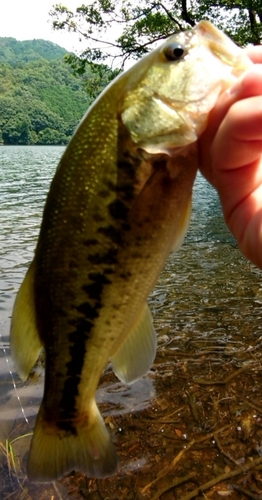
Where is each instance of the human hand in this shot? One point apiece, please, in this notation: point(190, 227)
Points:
point(230, 152)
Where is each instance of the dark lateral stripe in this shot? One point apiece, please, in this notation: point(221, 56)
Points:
point(89, 311)
point(108, 258)
point(77, 350)
point(118, 210)
point(94, 290)
point(78, 343)
point(90, 242)
point(112, 233)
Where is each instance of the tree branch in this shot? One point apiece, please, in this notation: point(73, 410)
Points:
point(170, 16)
point(185, 14)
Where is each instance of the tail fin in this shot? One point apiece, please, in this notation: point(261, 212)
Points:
point(54, 453)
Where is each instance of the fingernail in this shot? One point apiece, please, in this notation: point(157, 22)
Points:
point(250, 79)
point(236, 88)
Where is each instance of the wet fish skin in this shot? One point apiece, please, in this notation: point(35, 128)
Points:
point(119, 202)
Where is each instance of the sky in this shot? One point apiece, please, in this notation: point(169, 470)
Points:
point(29, 19)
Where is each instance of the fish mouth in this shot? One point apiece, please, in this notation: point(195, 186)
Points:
point(171, 105)
point(223, 47)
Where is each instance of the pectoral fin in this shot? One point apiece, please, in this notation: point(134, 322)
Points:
point(137, 353)
point(182, 227)
point(24, 337)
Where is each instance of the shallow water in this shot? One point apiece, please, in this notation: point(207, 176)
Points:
point(206, 304)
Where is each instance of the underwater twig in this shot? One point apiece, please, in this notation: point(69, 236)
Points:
point(223, 477)
point(225, 453)
point(175, 482)
point(99, 490)
point(254, 405)
point(227, 379)
point(178, 457)
point(249, 494)
point(169, 467)
point(165, 419)
point(193, 408)
point(55, 486)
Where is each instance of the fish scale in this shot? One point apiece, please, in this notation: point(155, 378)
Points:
point(119, 202)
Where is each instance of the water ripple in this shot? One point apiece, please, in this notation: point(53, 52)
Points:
point(25, 175)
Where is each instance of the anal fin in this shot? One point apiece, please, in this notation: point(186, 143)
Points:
point(24, 337)
point(136, 354)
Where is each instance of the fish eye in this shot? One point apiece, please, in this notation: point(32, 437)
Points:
point(174, 51)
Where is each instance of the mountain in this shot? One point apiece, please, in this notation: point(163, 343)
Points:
point(12, 51)
point(41, 100)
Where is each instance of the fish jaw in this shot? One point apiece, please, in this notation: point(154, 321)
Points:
point(182, 92)
point(223, 48)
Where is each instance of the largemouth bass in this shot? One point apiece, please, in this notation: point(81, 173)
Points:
point(119, 202)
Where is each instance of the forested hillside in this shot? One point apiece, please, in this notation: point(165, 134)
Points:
point(41, 100)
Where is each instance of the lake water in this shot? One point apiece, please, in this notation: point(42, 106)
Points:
point(208, 298)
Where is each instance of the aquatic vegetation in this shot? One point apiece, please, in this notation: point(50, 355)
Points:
point(11, 476)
